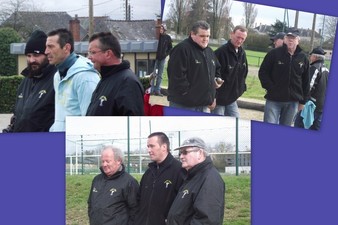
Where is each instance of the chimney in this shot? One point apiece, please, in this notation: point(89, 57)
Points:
point(158, 26)
point(74, 27)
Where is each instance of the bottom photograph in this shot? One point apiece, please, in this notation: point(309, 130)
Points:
point(167, 170)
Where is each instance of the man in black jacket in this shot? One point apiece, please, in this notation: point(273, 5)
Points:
point(234, 70)
point(201, 197)
point(284, 73)
point(160, 183)
point(34, 107)
point(112, 198)
point(163, 48)
point(319, 77)
point(192, 68)
point(119, 92)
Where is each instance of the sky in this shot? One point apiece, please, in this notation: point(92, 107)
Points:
point(97, 130)
point(268, 15)
point(141, 9)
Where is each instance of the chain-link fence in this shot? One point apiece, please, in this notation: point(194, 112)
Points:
point(229, 144)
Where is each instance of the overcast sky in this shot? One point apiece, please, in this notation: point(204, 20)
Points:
point(267, 15)
point(210, 128)
point(141, 9)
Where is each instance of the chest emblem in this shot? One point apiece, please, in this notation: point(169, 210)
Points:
point(112, 191)
point(185, 192)
point(167, 182)
point(42, 92)
point(301, 64)
point(102, 99)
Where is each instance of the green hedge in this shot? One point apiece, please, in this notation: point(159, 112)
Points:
point(8, 86)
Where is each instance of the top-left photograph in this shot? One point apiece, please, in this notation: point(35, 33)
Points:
point(92, 59)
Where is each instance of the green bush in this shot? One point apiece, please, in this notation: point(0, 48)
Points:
point(8, 62)
point(145, 82)
point(8, 86)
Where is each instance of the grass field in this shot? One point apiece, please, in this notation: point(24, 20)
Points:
point(237, 199)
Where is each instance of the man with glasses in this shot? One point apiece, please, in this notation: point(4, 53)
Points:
point(200, 199)
point(160, 183)
point(74, 81)
point(192, 68)
point(119, 92)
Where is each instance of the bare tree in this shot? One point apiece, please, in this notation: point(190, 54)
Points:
point(176, 15)
point(329, 24)
point(250, 14)
point(219, 18)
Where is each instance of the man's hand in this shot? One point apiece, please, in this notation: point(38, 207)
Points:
point(213, 105)
point(218, 82)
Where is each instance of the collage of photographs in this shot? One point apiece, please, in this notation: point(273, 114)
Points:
point(168, 112)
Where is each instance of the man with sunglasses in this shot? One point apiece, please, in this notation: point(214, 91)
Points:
point(160, 183)
point(119, 92)
point(200, 199)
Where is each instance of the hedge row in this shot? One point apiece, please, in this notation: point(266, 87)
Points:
point(8, 86)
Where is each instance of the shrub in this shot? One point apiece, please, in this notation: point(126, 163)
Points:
point(8, 62)
point(8, 86)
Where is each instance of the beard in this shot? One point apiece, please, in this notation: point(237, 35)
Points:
point(35, 69)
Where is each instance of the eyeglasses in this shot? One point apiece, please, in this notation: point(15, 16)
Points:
point(185, 151)
point(95, 52)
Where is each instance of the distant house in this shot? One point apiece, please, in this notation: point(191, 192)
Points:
point(138, 38)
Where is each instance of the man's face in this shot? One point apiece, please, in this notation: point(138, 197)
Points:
point(35, 63)
point(189, 157)
point(54, 52)
point(291, 41)
point(157, 152)
point(109, 164)
point(96, 55)
point(278, 42)
point(201, 37)
point(237, 38)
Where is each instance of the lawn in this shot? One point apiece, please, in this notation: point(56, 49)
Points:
point(237, 199)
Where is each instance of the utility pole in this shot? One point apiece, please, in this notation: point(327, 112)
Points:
point(296, 19)
point(313, 31)
point(91, 19)
point(126, 9)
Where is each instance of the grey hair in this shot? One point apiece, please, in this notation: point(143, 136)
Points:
point(118, 153)
point(319, 57)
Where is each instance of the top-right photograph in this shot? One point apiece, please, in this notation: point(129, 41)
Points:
point(246, 60)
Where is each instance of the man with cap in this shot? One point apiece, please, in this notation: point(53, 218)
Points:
point(284, 73)
point(163, 48)
point(319, 76)
point(34, 107)
point(200, 199)
point(278, 40)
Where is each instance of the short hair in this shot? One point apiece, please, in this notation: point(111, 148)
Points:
point(319, 57)
point(118, 153)
point(162, 138)
point(107, 41)
point(240, 28)
point(200, 24)
point(65, 36)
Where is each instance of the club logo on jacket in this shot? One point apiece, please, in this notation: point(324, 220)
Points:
point(94, 189)
point(280, 62)
point(42, 92)
point(197, 62)
point(301, 64)
point(167, 182)
point(102, 99)
point(185, 192)
point(20, 95)
point(112, 191)
point(213, 62)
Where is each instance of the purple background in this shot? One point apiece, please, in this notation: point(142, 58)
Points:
point(294, 172)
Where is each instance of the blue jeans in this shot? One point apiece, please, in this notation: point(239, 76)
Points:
point(156, 83)
point(316, 122)
point(280, 112)
point(204, 109)
point(227, 110)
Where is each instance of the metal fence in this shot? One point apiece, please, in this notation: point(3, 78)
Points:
point(229, 143)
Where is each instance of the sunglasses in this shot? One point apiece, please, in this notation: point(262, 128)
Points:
point(186, 151)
